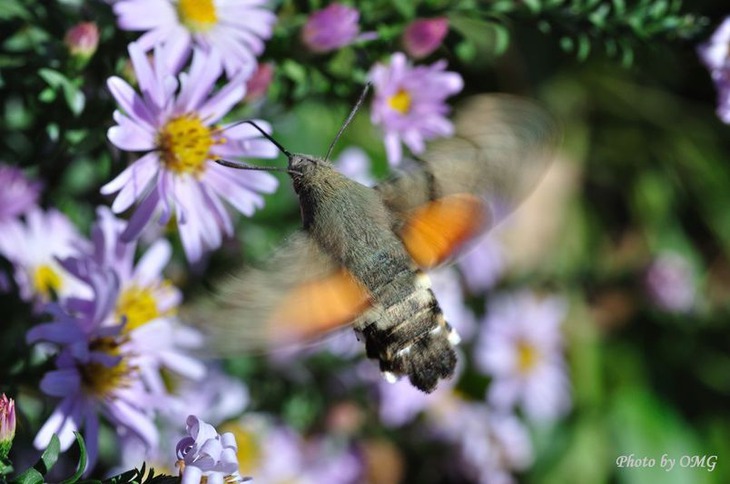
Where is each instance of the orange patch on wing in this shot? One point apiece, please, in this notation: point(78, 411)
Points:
point(439, 229)
point(319, 306)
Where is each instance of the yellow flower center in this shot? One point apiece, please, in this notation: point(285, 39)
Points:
point(46, 280)
point(527, 357)
point(185, 144)
point(197, 15)
point(249, 450)
point(400, 101)
point(138, 305)
point(100, 380)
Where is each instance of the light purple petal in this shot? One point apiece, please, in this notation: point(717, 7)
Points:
point(61, 383)
point(150, 266)
point(130, 102)
point(141, 217)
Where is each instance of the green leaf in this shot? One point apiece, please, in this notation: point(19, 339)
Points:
point(26, 40)
point(5, 467)
point(488, 38)
point(503, 6)
point(584, 47)
point(567, 44)
point(533, 5)
point(75, 99)
point(13, 10)
point(53, 78)
point(30, 476)
point(406, 8)
point(598, 16)
point(82, 460)
point(35, 474)
point(465, 51)
point(501, 38)
point(619, 7)
point(49, 456)
point(47, 95)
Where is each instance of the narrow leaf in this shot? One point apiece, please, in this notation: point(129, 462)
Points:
point(82, 460)
point(49, 456)
point(30, 476)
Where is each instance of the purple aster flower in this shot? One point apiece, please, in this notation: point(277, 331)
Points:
point(34, 254)
point(18, 194)
point(177, 176)
point(491, 445)
point(521, 349)
point(147, 304)
point(401, 402)
point(423, 36)
point(331, 28)
point(214, 399)
point(206, 456)
point(230, 32)
point(483, 265)
point(113, 345)
point(670, 283)
point(95, 372)
point(715, 54)
point(276, 453)
point(409, 103)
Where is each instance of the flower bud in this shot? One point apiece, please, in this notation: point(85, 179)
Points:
point(7, 425)
point(423, 36)
point(258, 83)
point(82, 40)
point(331, 28)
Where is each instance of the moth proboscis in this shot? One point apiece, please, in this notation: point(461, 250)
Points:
point(361, 255)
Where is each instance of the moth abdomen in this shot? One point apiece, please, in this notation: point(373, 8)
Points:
point(410, 336)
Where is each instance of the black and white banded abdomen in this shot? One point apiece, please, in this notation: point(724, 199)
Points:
point(406, 331)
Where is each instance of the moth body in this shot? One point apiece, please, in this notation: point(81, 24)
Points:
point(360, 257)
point(404, 327)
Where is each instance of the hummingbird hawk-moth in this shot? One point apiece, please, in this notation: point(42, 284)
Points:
point(362, 252)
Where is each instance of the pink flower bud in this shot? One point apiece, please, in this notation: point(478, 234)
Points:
point(331, 28)
point(7, 425)
point(259, 82)
point(424, 36)
point(82, 39)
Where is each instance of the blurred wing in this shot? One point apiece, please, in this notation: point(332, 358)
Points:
point(468, 183)
point(299, 295)
point(436, 230)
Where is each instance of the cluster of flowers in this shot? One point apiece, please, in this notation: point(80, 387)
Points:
point(111, 323)
point(173, 121)
point(518, 345)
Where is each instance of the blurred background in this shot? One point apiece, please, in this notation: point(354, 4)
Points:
point(594, 319)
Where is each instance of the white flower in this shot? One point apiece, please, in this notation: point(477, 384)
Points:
point(521, 349)
point(204, 454)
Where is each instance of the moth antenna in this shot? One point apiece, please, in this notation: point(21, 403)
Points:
point(244, 166)
point(352, 114)
point(264, 134)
